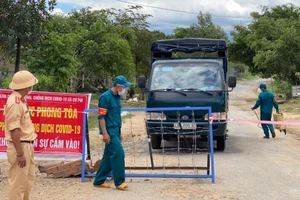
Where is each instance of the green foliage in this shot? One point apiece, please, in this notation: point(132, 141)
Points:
point(130, 18)
point(142, 50)
point(281, 87)
point(45, 83)
point(93, 122)
point(237, 69)
point(270, 44)
point(3, 72)
point(203, 29)
point(20, 23)
point(240, 70)
point(22, 19)
point(6, 82)
point(53, 58)
point(105, 51)
point(239, 51)
point(87, 48)
point(84, 49)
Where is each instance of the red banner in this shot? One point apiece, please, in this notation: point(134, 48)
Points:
point(57, 119)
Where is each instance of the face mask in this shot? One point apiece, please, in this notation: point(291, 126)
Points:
point(122, 92)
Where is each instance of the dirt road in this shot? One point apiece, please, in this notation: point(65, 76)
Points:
point(250, 168)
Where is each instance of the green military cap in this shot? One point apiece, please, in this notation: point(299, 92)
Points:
point(121, 80)
point(263, 85)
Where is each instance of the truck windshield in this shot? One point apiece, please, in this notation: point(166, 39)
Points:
point(205, 76)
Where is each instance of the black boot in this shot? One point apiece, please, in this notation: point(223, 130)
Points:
point(273, 134)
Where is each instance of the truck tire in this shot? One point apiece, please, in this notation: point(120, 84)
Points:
point(155, 141)
point(221, 144)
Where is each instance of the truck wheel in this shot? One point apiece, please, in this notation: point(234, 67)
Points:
point(221, 143)
point(155, 141)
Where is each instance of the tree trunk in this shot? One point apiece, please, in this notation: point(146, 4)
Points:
point(74, 84)
point(294, 79)
point(136, 67)
point(18, 55)
point(83, 79)
point(103, 85)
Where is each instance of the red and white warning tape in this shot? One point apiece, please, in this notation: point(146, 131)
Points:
point(211, 119)
point(259, 121)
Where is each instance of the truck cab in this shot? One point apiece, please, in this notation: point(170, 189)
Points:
point(187, 82)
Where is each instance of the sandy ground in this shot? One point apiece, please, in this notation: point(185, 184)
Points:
point(249, 168)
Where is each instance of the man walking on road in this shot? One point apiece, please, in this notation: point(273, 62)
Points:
point(109, 115)
point(266, 101)
point(19, 132)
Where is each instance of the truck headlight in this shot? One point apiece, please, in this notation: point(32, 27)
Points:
point(155, 116)
point(217, 116)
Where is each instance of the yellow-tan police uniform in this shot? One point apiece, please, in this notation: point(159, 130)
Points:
point(20, 180)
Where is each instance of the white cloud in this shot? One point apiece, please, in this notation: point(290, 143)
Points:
point(57, 11)
point(225, 13)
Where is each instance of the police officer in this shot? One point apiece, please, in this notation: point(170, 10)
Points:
point(109, 115)
point(266, 101)
point(19, 132)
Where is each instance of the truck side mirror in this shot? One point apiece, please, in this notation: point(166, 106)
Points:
point(142, 82)
point(231, 81)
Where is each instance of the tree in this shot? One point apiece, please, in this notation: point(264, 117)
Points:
point(239, 51)
point(130, 18)
point(83, 49)
point(140, 44)
point(105, 53)
point(54, 62)
point(237, 69)
point(272, 40)
point(4, 61)
point(203, 29)
point(142, 51)
point(106, 45)
point(20, 23)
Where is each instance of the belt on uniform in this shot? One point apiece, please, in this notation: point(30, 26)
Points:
point(27, 141)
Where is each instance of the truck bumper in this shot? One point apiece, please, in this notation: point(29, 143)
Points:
point(167, 128)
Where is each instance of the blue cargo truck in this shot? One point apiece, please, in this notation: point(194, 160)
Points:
point(195, 81)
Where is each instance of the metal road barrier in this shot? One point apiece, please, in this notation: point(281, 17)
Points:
point(210, 150)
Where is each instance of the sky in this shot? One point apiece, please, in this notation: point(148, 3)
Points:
point(225, 13)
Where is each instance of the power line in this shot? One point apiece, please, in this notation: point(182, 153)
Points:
point(181, 11)
point(193, 13)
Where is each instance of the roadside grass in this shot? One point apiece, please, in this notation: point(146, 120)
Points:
point(247, 76)
point(139, 104)
point(279, 95)
point(93, 120)
point(291, 105)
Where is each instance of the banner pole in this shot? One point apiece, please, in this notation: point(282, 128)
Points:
point(83, 148)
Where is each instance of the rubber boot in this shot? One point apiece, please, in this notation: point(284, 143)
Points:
point(273, 134)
